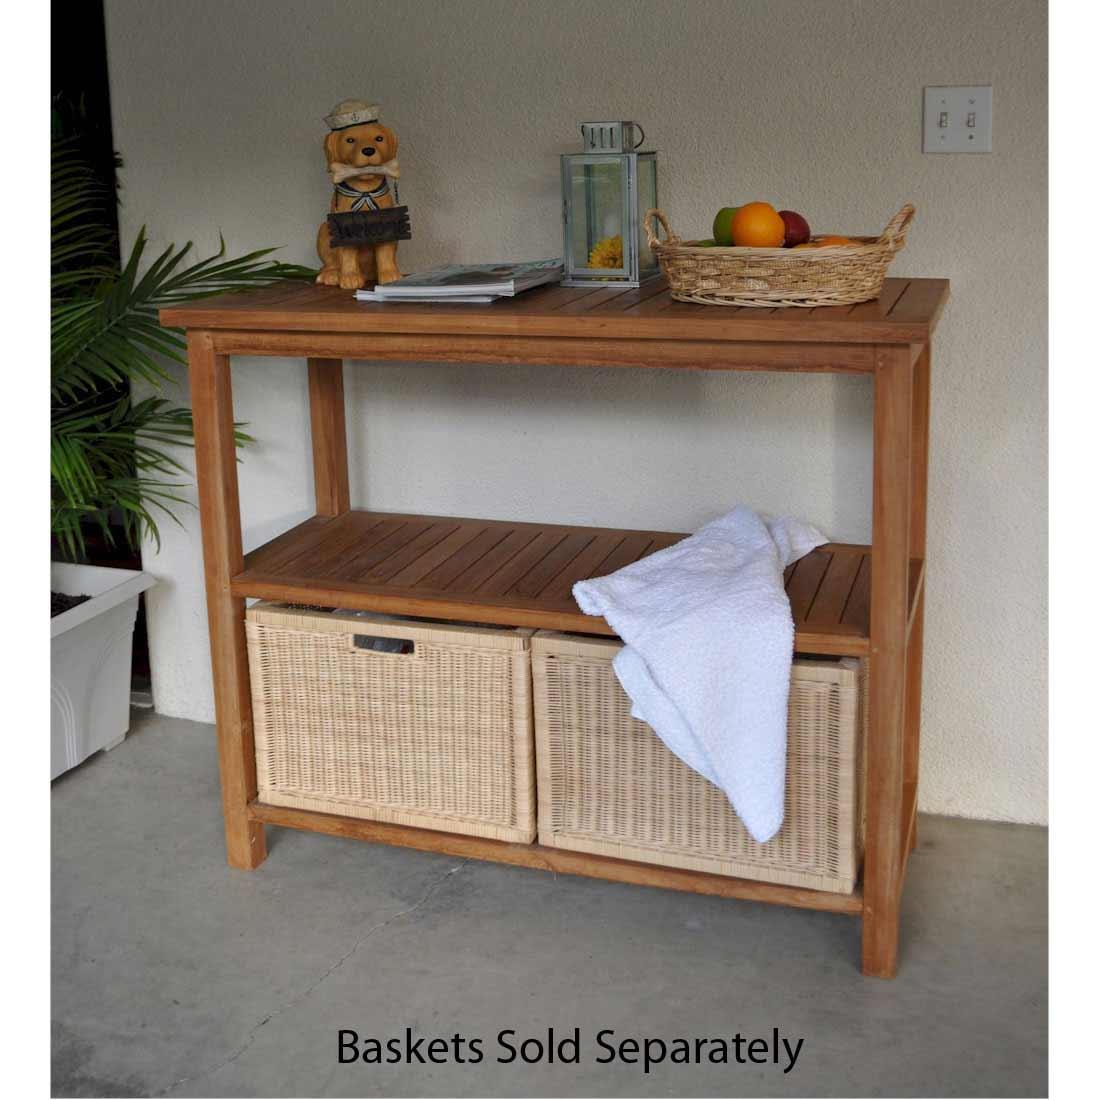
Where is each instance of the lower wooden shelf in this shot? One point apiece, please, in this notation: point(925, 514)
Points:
point(520, 574)
point(556, 859)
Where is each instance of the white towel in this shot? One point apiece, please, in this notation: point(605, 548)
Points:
point(709, 644)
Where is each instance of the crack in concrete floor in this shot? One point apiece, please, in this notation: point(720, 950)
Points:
point(296, 1000)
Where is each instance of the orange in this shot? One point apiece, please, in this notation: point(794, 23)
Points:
point(825, 242)
point(757, 225)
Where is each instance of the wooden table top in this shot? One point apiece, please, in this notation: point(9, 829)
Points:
point(906, 312)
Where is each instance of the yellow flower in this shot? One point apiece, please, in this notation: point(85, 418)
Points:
point(607, 253)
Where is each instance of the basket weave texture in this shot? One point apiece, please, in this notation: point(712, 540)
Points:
point(607, 784)
point(439, 738)
point(769, 277)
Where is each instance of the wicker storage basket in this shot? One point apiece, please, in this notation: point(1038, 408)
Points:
point(439, 736)
point(830, 276)
point(608, 785)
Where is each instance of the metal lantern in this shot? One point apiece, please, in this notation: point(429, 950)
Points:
point(606, 191)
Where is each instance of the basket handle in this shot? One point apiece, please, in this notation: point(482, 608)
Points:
point(374, 643)
point(651, 232)
point(898, 226)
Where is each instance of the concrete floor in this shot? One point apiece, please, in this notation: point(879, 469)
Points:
point(174, 976)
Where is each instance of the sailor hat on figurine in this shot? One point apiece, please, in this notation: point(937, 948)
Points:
point(351, 112)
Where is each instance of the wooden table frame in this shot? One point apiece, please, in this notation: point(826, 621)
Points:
point(889, 339)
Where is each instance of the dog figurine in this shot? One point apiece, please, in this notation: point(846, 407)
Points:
point(361, 157)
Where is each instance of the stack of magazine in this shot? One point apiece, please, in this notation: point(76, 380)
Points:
point(466, 283)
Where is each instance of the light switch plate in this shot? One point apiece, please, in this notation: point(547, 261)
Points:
point(958, 120)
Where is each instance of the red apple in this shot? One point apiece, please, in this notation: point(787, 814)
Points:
point(797, 228)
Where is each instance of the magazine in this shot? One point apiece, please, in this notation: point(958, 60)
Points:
point(470, 280)
point(374, 296)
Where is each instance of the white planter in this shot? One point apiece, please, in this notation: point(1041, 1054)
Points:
point(91, 646)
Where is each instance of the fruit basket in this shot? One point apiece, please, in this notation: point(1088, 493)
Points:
point(831, 275)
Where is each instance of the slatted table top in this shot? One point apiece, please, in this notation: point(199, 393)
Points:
point(906, 312)
point(520, 574)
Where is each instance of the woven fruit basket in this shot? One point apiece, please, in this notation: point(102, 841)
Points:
point(831, 275)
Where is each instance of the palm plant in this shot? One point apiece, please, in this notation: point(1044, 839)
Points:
point(108, 456)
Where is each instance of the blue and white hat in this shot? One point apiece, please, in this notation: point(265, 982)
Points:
point(351, 112)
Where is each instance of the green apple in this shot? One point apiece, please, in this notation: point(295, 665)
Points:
point(722, 222)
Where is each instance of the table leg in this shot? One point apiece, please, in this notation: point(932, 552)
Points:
point(918, 505)
point(330, 448)
point(914, 659)
point(216, 472)
point(884, 856)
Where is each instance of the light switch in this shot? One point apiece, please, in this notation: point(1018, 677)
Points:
point(958, 120)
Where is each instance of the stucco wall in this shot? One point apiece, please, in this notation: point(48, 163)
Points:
point(814, 106)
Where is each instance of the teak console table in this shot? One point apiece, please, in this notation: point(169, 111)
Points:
point(846, 600)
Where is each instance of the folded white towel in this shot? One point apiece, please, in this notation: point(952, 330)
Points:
point(709, 643)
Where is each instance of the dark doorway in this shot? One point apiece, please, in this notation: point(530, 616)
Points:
point(81, 109)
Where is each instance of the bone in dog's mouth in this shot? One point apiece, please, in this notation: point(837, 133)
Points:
point(341, 172)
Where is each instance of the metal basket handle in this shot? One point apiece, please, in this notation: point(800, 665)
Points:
point(651, 232)
point(898, 226)
point(382, 645)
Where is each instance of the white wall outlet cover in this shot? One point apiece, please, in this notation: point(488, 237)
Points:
point(958, 120)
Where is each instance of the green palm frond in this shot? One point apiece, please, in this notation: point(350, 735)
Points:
point(108, 451)
point(81, 241)
point(111, 332)
point(105, 454)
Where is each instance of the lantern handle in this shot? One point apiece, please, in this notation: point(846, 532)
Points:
point(651, 232)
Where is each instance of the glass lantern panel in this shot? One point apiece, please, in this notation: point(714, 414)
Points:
point(647, 200)
point(597, 201)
